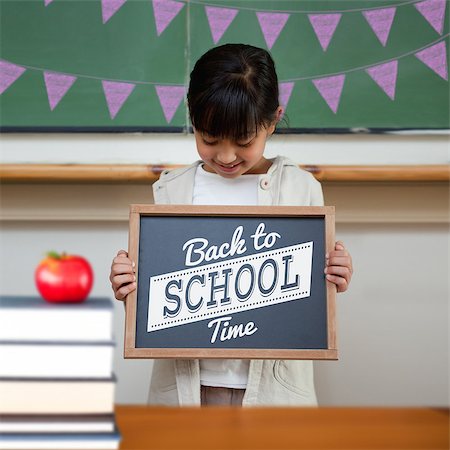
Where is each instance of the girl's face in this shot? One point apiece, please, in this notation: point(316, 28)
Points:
point(231, 159)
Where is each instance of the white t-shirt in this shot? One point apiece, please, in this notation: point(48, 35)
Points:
point(212, 189)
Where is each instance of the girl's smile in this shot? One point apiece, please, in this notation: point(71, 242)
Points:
point(232, 159)
point(229, 168)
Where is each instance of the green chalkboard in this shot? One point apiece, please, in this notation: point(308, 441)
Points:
point(118, 65)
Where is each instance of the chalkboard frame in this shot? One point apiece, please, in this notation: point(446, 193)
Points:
point(326, 213)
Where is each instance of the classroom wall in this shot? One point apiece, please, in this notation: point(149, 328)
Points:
point(392, 324)
point(138, 148)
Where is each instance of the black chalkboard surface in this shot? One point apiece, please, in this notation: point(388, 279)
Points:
point(232, 282)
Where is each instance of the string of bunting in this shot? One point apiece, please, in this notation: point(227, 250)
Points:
point(272, 22)
point(324, 24)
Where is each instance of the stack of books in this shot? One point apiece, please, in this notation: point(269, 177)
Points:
point(56, 379)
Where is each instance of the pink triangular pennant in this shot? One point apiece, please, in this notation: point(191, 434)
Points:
point(435, 57)
point(47, 2)
point(385, 75)
point(170, 98)
point(324, 26)
point(9, 73)
point(380, 20)
point(271, 25)
point(110, 7)
point(165, 11)
point(219, 20)
point(285, 93)
point(434, 13)
point(116, 94)
point(57, 85)
point(330, 88)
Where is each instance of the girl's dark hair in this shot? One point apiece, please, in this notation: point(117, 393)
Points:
point(233, 91)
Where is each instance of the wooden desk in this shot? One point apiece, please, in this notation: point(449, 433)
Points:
point(282, 428)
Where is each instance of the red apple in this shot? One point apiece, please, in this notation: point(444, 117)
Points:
point(64, 278)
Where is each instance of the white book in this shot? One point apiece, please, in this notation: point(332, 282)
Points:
point(56, 359)
point(56, 423)
point(34, 319)
point(64, 441)
point(56, 396)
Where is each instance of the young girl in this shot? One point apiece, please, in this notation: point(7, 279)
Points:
point(233, 105)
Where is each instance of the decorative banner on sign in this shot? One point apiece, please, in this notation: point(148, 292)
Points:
point(385, 75)
point(219, 20)
point(116, 95)
point(165, 11)
point(110, 7)
point(57, 85)
point(324, 26)
point(243, 284)
point(170, 98)
point(9, 73)
point(285, 93)
point(434, 13)
point(271, 25)
point(380, 20)
point(47, 2)
point(435, 58)
point(330, 88)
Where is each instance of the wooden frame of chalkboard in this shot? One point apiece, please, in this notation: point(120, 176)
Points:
point(231, 282)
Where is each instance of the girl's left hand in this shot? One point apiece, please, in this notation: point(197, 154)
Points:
point(339, 269)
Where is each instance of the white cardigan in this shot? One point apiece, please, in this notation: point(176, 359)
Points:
point(270, 382)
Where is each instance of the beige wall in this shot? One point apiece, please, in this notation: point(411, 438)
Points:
point(180, 149)
point(392, 324)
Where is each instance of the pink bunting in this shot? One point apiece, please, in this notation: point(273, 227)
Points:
point(110, 7)
point(380, 20)
point(385, 75)
point(434, 13)
point(271, 25)
point(9, 73)
point(330, 88)
point(170, 98)
point(435, 57)
point(285, 93)
point(324, 26)
point(47, 2)
point(116, 94)
point(165, 11)
point(219, 20)
point(57, 85)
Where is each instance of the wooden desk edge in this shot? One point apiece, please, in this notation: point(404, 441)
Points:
point(282, 428)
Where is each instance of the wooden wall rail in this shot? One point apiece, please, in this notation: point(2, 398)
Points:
point(140, 173)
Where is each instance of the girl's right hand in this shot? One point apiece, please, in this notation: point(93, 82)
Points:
point(122, 277)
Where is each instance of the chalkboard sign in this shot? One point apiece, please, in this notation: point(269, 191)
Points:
point(343, 65)
point(231, 282)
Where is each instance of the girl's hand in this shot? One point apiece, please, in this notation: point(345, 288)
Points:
point(122, 277)
point(339, 269)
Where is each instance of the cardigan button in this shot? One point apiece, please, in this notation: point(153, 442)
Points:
point(264, 183)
